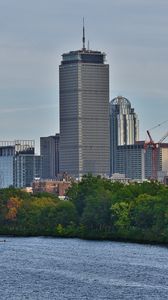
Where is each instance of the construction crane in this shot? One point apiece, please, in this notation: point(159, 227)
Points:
point(154, 146)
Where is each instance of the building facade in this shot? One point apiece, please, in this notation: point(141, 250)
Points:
point(130, 161)
point(163, 157)
point(27, 167)
point(136, 162)
point(56, 187)
point(49, 151)
point(124, 127)
point(18, 163)
point(84, 113)
point(7, 153)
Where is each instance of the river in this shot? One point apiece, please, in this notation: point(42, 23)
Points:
point(49, 268)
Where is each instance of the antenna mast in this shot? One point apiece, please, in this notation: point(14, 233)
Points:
point(83, 38)
point(88, 46)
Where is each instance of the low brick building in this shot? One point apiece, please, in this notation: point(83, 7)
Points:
point(51, 186)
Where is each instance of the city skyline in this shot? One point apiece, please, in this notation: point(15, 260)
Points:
point(34, 35)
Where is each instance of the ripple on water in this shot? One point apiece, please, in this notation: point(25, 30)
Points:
point(47, 268)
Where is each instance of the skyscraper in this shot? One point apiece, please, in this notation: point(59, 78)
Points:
point(49, 150)
point(84, 112)
point(18, 163)
point(124, 127)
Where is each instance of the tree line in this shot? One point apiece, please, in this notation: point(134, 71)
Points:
point(96, 209)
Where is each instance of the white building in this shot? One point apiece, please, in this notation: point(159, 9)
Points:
point(124, 127)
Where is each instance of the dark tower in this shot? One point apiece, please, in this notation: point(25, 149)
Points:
point(84, 112)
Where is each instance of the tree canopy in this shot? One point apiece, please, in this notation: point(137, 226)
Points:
point(96, 208)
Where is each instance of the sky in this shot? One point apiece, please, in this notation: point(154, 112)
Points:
point(35, 33)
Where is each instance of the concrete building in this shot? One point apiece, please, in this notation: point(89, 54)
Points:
point(18, 163)
point(162, 162)
point(117, 177)
point(49, 150)
point(136, 163)
point(130, 161)
point(163, 157)
point(84, 113)
point(124, 127)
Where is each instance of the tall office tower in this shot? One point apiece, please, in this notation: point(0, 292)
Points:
point(27, 167)
point(49, 150)
point(84, 113)
point(18, 163)
point(124, 127)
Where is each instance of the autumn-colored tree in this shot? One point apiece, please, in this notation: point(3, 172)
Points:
point(13, 205)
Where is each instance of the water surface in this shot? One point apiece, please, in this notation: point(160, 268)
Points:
point(48, 268)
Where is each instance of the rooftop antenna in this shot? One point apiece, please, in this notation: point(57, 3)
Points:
point(83, 38)
point(88, 46)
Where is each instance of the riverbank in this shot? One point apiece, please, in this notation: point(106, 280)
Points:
point(97, 209)
point(90, 237)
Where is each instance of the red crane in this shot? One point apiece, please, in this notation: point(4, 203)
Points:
point(154, 146)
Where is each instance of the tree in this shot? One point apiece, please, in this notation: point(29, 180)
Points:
point(13, 205)
point(144, 212)
point(120, 213)
point(96, 214)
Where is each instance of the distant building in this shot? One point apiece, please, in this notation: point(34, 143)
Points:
point(56, 187)
point(130, 161)
point(26, 168)
point(7, 154)
point(18, 163)
point(163, 157)
point(124, 127)
point(84, 113)
point(120, 178)
point(49, 150)
point(136, 163)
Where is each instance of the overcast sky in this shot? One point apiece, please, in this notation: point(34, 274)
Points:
point(34, 34)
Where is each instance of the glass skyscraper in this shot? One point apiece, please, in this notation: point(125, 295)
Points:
point(124, 127)
point(84, 113)
point(18, 163)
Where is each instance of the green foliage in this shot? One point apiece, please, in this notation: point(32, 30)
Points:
point(89, 186)
point(144, 211)
point(96, 214)
point(96, 209)
point(13, 192)
point(79, 191)
point(121, 215)
point(46, 195)
point(59, 230)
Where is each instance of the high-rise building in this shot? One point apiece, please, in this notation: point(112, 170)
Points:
point(7, 153)
point(27, 167)
point(124, 127)
point(49, 150)
point(84, 113)
point(135, 162)
point(18, 163)
point(131, 161)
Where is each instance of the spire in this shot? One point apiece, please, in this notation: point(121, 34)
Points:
point(83, 38)
point(88, 47)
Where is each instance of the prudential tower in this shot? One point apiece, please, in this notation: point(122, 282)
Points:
point(84, 112)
